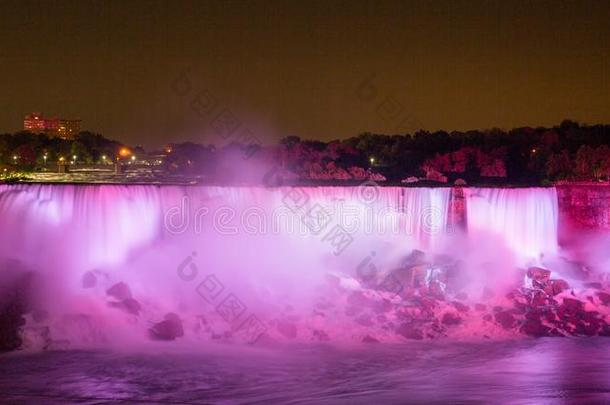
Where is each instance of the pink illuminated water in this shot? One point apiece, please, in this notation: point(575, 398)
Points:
point(272, 249)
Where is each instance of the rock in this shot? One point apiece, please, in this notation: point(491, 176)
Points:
point(410, 179)
point(460, 307)
point(415, 258)
point(120, 291)
point(168, 329)
point(572, 306)
point(128, 305)
point(132, 306)
point(408, 331)
point(451, 319)
point(287, 329)
point(506, 319)
point(555, 287)
point(604, 297)
point(480, 307)
point(596, 285)
point(538, 299)
point(369, 339)
point(539, 276)
point(10, 321)
point(534, 327)
point(89, 280)
point(320, 335)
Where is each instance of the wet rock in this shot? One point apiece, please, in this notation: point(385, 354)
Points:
point(287, 329)
point(460, 307)
point(408, 331)
point(572, 306)
point(89, 280)
point(604, 297)
point(415, 258)
point(11, 320)
point(369, 339)
point(320, 335)
point(120, 291)
point(168, 329)
point(605, 330)
point(505, 319)
point(538, 298)
point(539, 276)
point(555, 287)
point(534, 327)
point(451, 319)
point(131, 306)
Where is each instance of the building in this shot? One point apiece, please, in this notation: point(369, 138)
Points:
point(54, 127)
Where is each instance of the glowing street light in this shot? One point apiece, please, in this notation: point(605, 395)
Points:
point(372, 160)
point(15, 158)
point(133, 158)
point(104, 158)
point(61, 158)
point(44, 157)
point(124, 152)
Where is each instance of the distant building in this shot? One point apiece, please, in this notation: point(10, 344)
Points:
point(54, 127)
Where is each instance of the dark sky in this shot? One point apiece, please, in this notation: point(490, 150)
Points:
point(323, 70)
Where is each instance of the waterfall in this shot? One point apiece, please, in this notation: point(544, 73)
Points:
point(525, 219)
point(273, 248)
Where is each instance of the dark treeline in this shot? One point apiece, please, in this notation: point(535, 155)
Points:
point(569, 151)
point(26, 150)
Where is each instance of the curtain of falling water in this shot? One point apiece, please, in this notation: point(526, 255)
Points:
point(524, 218)
point(268, 246)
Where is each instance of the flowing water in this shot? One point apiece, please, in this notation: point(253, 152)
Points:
point(272, 249)
point(544, 371)
point(265, 250)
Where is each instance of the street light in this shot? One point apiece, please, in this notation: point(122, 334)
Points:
point(372, 160)
point(104, 158)
point(44, 157)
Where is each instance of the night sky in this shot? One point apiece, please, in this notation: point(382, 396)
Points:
point(322, 70)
